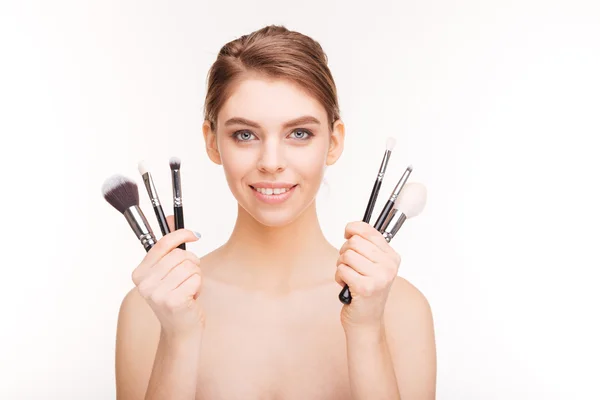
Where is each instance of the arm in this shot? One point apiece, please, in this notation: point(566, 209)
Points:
point(148, 364)
point(370, 368)
point(398, 359)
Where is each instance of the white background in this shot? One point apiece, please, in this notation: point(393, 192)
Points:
point(495, 103)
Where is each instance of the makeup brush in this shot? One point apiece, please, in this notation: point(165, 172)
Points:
point(345, 296)
point(389, 146)
point(410, 203)
point(122, 193)
point(175, 164)
point(153, 194)
point(390, 203)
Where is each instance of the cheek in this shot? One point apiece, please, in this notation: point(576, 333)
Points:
point(311, 164)
point(236, 163)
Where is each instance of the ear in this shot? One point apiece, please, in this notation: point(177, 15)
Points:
point(210, 139)
point(336, 142)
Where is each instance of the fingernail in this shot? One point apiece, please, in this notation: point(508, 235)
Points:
point(197, 234)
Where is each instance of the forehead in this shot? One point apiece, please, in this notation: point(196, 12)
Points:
point(270, 101)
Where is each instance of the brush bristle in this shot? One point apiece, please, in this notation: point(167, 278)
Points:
point(412, 199)
point(121, 192)
point(390, 144)
point(175, 163)
point(142, 167)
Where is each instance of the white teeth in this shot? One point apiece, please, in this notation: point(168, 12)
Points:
point(270, 191)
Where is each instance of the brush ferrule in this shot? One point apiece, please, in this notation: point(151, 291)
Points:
point(140, 226)
point(398, 224)
point(151, 189)
point(384, 164)
point(176, 186)
point(400, 184)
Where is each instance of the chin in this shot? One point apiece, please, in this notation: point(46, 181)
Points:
point(275, 218)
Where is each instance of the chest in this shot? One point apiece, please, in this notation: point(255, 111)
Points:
point(263, 353)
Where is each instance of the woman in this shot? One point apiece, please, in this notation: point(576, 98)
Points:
point(259, 317)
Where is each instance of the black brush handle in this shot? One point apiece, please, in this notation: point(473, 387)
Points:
point(162, 220)
point(178, 211)
point(372, 199)
point(345, 296)
point(383, 216)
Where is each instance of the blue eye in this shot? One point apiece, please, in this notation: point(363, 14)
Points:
point(302, 136)
point(242, 136)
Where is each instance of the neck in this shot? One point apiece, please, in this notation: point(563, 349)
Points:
point(277, 258)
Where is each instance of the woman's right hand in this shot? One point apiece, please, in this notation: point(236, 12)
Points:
point(169, 278)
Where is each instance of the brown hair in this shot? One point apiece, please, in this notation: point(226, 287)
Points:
point(276, 52)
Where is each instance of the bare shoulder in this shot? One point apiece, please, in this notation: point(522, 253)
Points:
point(407, 312)
point(406, 300)
point(138, 332)
point(411, 340)
point(135, 313)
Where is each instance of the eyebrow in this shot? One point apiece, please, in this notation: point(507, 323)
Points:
point(306, 119)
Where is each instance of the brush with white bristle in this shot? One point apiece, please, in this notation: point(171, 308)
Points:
point(410, 203)
point(122, 193)
point(153, 194)
point(175, 164)
point(389, 146)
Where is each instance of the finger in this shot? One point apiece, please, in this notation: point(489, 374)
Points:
point(150, 276)
point(177, 275)
point(166, 244)
point(366, 231)
point(359, 285)
point(364, 247)
point(171, 222)
point(190, 288)
point(339, 280)
point(345, 275)
point(177, 299)
point(358, 262)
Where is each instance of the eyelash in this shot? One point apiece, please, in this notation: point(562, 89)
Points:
point(236, 134)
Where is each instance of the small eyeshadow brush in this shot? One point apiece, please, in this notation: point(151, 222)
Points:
point(175, 164)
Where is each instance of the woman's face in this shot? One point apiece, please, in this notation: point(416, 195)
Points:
point(274, 143)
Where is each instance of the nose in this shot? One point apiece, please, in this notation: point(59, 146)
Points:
point(271, 158)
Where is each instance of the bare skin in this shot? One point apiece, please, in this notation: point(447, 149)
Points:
point(273, 327)
point(287, 343)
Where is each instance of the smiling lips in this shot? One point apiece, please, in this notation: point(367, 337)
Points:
point(273, 192)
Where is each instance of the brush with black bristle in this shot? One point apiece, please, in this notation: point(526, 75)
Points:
point(122, 193)
point(175, 164)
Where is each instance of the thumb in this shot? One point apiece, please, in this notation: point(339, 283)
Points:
point(171, 222)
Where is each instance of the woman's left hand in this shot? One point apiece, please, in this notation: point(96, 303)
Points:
point(369, 266)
